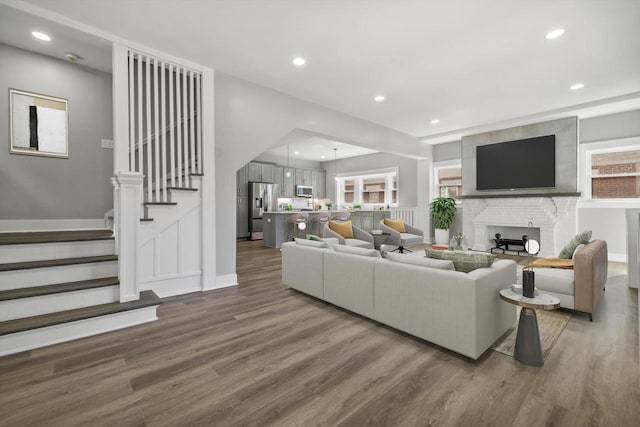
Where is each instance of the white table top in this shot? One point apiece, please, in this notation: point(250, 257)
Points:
point(540, 301)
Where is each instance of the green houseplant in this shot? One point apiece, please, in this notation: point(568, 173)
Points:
point(443, 211)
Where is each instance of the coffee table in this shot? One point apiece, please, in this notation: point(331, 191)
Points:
point(528, 349)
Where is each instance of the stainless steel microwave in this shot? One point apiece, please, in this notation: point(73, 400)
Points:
point(304, 191)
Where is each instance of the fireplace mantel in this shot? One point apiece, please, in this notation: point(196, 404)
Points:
point(555, 216)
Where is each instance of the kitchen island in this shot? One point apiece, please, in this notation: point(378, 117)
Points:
point(276, 227)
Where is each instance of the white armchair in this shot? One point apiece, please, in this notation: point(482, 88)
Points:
point(412, 235)
point(360, 239)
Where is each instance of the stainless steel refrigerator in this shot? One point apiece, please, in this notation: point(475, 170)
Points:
point(262, 198)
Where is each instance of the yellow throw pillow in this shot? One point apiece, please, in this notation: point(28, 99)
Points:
point(396, 224)
point(342, 228)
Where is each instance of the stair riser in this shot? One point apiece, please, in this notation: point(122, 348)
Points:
point(47, 276)
point(58, 250)
point(45, 304)
point(42, 337)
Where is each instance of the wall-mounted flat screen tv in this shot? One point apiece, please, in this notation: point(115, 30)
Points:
point(525, 163)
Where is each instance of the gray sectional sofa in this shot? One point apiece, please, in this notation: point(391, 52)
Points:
point(459, 311)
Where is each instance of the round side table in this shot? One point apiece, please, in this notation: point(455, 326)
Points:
point(528, 349)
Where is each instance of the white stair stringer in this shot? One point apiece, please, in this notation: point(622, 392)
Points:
point(52, 303)
point(170, 246)
point(41, 337)
point(14, 279)
point(55, 250)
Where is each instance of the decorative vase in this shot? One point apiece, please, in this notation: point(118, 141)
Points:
point(442, 236)
point(528, 287)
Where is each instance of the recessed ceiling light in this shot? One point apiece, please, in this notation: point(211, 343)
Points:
point(553, 34)
point(41, 36)
point(379, 98)
point(435, 121)
point(299, 61)
point(323, 157)
point(577, 86)
point(296, 152)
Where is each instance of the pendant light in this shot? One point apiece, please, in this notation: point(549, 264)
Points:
point(335, 164)
point(288, 170)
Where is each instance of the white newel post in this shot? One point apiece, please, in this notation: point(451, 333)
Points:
point(128, 188)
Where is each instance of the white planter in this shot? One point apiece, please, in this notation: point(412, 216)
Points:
point(442, 236)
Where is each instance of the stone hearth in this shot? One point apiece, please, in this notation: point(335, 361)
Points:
point(555, 217)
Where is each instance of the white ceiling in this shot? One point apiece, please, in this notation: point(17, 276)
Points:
point(467, 63)
point(319, 150)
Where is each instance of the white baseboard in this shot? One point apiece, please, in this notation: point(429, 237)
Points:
point(223, 281)
point(50, 224)
point(42, 337)
point(174, 286)
point(617, 257)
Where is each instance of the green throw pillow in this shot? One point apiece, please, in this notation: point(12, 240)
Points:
point(314, 237)
point(567, 251)
point(464, 261)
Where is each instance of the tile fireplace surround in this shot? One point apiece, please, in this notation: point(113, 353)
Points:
point(554, 216)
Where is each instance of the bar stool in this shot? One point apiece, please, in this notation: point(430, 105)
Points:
point(297, 222)
point(319, 220)
point(341, 216)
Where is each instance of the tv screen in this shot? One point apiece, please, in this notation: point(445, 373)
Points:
point(525, 163)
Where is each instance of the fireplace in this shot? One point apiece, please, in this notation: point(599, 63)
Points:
point(553, 218)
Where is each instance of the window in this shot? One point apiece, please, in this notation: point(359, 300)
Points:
point(371, 189)
point(611, 171)
point(615, 175)
point(448, 180)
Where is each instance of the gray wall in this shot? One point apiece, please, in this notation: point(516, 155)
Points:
point(407, 173)
point(612, 126)
point(35, 187)
point(447, 151)
point(251, 119)
point(566, 132)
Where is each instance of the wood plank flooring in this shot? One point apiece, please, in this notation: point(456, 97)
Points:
point(259, 354)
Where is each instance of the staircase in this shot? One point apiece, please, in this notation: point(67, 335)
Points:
point(57, 286)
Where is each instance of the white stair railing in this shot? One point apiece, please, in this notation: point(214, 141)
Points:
point(408, 215)
point(165, 126)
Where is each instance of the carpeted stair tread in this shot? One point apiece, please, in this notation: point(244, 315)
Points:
point(26, 237)
point(37, 291)
point(56, 262)
point(147, 298)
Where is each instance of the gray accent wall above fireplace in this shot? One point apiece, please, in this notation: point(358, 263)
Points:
point(566, 132)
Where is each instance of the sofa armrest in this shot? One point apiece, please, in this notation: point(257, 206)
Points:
point(394, 236)
point(590, 275)
point(360, 234)
point(328, 232)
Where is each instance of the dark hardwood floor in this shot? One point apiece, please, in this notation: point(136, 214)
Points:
point(261, 354)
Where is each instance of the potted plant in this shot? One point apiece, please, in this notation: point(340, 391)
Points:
point(443, 211)
point(328, 204)
point(357, 207)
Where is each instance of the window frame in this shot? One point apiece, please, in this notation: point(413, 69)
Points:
point(437, 167)
point(587, 150)
point(358, 177)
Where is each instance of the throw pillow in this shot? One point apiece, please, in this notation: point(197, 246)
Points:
point(419, 261)
point(356, 251)
point(314, 237)
point(464, 261)
point(343, 228)
point(396, 224)
point(311, 243)
point(567, 251)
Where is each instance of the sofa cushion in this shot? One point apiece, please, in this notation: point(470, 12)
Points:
point(396, 224)
point(419, 261)
point(567, 251)
point(311, 243)
point(356, 251)
point(344, 228)
point(409, 238)
point(555, 280)
point(464, 261)
point(331, 240)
